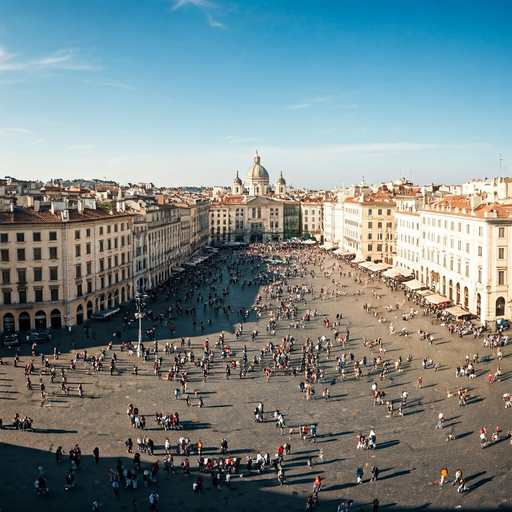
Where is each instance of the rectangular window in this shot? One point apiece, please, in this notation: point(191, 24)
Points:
point(54, 294)
point(38, 274)
point(21, 254)
point(7, 297)
point(480, 275)
point(501, 253)
point(388, 212)
point(53, 235)
point(79, 289)
point(22, 296)
point(77, 234)
point(36, 237)
point(89, 268)
point(88, 232)
point(78, 271)
point(370, 211)
point(20, 237)
point(6, 276)
point(54, 274)
point(101, 245)
point(38, 295)
point(501, 276)
point(87, 248)
point(480, 250)
point(109, 229)
point(480, 231)
point(370, 247)
point(4, 237)
point(370, 225)
point(102, 282)
point(78, 250)
point(89, 286)
point(37, 253)
point(101, 230)
point(102, 266)
point(5, 254)
point(501, 233)
point(122, 241)
point(115, 228)
point(22, 277)
point(53, 253)
point(109, 242)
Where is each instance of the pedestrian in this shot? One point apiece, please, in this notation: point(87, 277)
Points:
point(359, 475)
point(95, 507)
point(420, 382)
point(115, 488)
point(440, 420)
point(375, 505)
point(129, 445)
point(444, 475)
point(96, 453)
point(375, 473)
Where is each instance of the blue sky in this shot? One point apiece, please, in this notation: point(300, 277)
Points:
point(182, 92)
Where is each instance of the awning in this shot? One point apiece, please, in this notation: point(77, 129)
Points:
point(457, 312)
point(392, 273)
point(309, 242)
point(177, 269)
point(414, 285)
point(437, 299)
point(327, 245)
point(377, 267)
point(424, 293)
point(365, 264)
point(190, 263)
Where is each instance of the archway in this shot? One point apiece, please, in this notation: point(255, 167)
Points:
point(40, 320)
point(427, 278)
point(56, 319)
point(90, 309)
point(500, 307)
point(444, 286)
point(9, 323)
point(457, 294)
point(24, 321)
point(478, 305)
point(450, 289)
point(116, 298)
point(110, 302)
point(466, 297)
point(102, 302)
point(123, 297)
point(80, 314)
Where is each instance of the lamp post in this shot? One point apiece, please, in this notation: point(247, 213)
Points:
point(138, 315)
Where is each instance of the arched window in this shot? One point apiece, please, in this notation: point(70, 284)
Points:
point(500, 306)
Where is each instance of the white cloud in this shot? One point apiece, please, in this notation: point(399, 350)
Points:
point(299, 106)
point(202, 4)
point(79, 147)
point(9, 131)
point(36, 142)
point(110, 83)
point(61, 59)
point(206, 7)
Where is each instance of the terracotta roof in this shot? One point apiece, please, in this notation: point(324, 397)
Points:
point(29, 216)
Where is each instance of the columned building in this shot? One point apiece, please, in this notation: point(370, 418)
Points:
point(252, 211)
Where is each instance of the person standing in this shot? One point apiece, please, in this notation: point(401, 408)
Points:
point(359, 475)
point(420, 382)
point(375, 473)
point(440, 420)
point(444, 475)
point(96, 453)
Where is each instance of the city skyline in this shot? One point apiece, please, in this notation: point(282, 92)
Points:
point(183, 92)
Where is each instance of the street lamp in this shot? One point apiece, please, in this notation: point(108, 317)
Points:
point(138, 316)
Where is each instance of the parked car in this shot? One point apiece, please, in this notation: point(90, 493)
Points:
point(37, 335)
point(11, 340)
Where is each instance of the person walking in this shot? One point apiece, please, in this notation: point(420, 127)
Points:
point(375, 473)
point(440, 420)
point(96, 453)
point(359, 475)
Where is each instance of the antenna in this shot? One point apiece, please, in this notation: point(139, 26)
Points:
point(501, 160)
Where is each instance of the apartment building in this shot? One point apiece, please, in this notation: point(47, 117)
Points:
point(60, 266)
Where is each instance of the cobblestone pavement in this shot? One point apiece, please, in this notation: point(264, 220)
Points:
point(410, 451)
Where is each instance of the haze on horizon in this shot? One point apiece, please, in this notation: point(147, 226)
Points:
point(182, 92)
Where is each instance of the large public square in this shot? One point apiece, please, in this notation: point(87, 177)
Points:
point(410, 452)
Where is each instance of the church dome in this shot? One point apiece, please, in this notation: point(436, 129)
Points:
point(237, 180)
point(281, 180)
point(256, 172)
